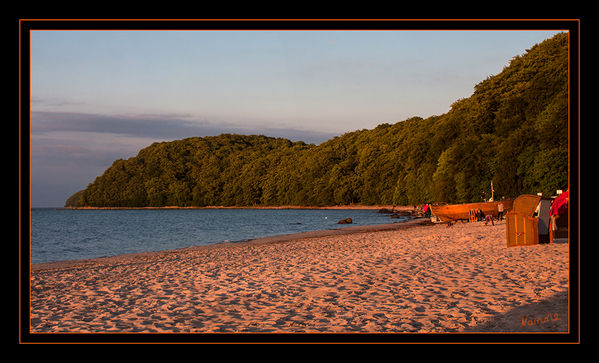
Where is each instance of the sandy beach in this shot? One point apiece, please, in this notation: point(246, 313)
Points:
point(403, 278)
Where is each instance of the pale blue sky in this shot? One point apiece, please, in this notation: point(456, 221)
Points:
point(101, 95)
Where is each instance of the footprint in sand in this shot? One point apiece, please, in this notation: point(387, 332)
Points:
point(420, 309)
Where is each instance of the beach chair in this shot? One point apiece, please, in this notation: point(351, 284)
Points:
point(544, 220)
point(523, 227)
point(521, 230)
point(558, 227)
point(526, 204)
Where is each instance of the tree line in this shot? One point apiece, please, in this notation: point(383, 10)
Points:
point(512, 130)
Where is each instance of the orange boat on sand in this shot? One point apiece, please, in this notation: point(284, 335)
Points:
point(452, 212)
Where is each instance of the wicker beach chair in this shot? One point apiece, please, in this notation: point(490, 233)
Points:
point(558, 227)
point(523, 227)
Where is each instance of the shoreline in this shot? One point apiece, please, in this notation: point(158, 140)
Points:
point(255, 241)
point(333, 207)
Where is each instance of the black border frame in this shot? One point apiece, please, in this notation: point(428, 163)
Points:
point(573, 26)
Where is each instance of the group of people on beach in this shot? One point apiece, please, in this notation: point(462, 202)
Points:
point(422, 210)
point(481, 216)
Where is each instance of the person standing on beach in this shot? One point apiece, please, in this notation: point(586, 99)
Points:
point(500, 211)
point(427, 210)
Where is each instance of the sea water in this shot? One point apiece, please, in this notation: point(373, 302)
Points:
point(59, 235)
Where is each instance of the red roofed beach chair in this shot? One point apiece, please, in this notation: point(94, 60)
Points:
point(559, 224)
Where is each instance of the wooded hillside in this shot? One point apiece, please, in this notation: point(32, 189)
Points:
point(512, 130)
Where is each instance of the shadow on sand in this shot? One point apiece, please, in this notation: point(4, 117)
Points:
point(549, 315)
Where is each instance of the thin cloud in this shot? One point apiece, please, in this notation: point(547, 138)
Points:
point(53, 102)
point(139, 126)
point(155, 126)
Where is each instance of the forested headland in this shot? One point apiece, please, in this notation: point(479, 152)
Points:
point(513, 130)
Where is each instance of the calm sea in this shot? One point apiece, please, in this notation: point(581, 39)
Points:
point(58, 235)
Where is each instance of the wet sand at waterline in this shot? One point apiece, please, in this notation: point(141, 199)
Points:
point(402, 277)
